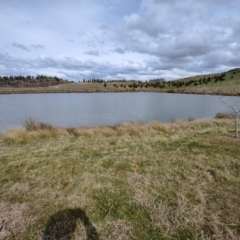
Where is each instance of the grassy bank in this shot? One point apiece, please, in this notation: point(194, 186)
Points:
point(97, 87)
point(156, 181)
point(227, 83)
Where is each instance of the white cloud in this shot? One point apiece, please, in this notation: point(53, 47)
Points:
point(129, 39)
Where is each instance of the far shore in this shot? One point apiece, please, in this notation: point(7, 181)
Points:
point(179, 91)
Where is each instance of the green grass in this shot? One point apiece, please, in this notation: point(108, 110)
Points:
point(132, 181)
point(230, 85)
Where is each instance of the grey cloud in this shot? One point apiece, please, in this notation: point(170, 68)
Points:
point(181, 36)
point(105, 27)
point(37, 47)
point(185, 50)
point(76, 69)
point(24, 66)
point(119, 50)
point(81, 33)
point(14, 66)
point(28, 48)
point(21, 46)
point(92, 53)
point(70, 63)
point(214, 60)
point(170, 35)
point(134, 24)
point(236, 30)
point(107, 3)
point(223, 1)
point(73, 68)
point(160, 1)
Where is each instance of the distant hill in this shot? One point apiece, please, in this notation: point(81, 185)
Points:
point(222, 83)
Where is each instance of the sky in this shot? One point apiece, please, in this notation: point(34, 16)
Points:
point(119, 39)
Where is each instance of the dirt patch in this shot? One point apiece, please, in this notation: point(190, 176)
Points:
point(13, 219)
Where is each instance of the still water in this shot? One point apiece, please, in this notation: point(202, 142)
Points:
point(88, 109)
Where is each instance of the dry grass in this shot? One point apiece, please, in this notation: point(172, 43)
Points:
point(33, 125)
point(230, 86)
point(13, 219)
point(132, 181)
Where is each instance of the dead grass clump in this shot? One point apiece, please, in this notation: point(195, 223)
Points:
point(178, 127)
point(155, 125)
point(105, 131)
point(13, 219)
point(191, 119)
point(74, 131)
point(130, 128)
point(32, 130)
point(89, 131)
point(15, 136)
point(86, 132)
point(205, 125)
point(34, 125)
point(21, 136)
point(222, 115)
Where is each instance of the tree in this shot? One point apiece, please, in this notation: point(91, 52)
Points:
point(236, 112)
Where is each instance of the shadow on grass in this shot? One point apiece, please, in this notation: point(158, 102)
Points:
point(63, 224)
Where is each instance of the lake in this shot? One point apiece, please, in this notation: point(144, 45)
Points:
point(91, 109)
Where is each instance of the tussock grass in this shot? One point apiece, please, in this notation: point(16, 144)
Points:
point(23, 136)
point(33, 125)
point(221, 115)
point(131, 181)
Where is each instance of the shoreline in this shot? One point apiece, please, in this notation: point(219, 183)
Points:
point(37, 91)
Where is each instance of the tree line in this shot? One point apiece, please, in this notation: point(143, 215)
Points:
point(196, 82)
point(30, 81)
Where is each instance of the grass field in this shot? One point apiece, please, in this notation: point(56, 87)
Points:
point(132, 181)
point(80, 88)
point(229, 86)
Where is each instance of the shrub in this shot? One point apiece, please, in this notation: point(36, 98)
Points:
point(190, 119)
point(33, 125)
point(221, 115)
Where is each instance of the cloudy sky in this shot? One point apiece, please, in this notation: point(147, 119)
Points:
point(119, 39)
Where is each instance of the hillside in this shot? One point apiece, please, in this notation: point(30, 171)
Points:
point(226, 83)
